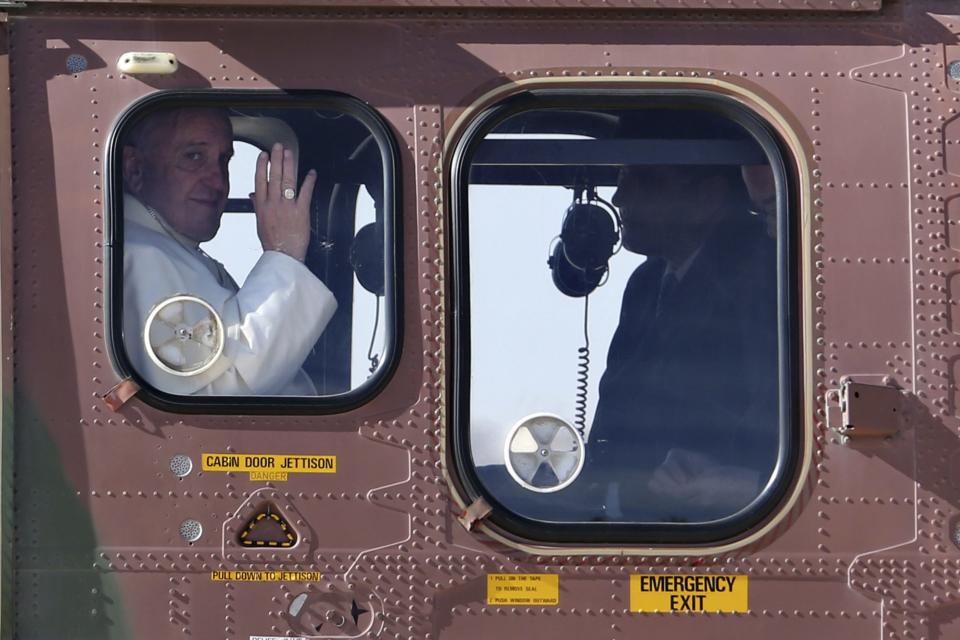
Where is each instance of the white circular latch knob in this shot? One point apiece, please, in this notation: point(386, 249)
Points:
point(184, 335)
point(543, 453)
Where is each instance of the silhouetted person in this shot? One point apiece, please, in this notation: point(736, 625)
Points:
point(686, 427)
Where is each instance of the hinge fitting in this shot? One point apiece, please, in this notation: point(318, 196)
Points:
point(869, 410)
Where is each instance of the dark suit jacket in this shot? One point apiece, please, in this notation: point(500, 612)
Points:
point(702, 374)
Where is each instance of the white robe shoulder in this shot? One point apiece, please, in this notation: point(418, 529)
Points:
point(271, 323)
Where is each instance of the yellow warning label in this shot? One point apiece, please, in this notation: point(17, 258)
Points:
point(693, 593)
point(523, 588)
point(265, 576)
point(268, 466)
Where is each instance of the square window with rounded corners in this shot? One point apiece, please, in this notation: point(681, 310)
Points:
point(253, 255)
point(626, 333)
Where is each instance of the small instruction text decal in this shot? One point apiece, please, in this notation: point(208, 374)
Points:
point(265, 576)
point(523, 589)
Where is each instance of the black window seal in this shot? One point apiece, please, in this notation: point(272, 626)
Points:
point(598, 534)
point(393, 237)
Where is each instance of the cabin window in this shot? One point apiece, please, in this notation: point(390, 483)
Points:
point(254, 250)
point(624, 340)
point(236, 242)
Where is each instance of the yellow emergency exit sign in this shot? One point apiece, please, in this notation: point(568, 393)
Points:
point(679, 593)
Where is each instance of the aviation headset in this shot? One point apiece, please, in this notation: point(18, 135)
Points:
point(589, 236)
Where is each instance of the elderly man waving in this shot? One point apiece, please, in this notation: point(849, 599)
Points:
point(176, 185)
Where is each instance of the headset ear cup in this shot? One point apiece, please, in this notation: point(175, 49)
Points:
point(570, 279)
point(588, 235)
point(366, 258)
point(587, 238)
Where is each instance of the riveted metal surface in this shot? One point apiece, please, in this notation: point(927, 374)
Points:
point(867, 546)
point(675, 5)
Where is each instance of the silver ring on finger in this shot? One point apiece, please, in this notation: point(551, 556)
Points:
point(289, 193)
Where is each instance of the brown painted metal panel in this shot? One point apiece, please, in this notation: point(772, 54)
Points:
point(866, 549)
point(659, 5)
point(6, 345)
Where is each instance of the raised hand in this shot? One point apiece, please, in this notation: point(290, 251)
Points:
point(283, 213)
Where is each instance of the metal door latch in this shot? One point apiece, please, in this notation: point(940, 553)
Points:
point(869, 410)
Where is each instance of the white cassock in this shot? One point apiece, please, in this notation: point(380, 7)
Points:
point(270, 323)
